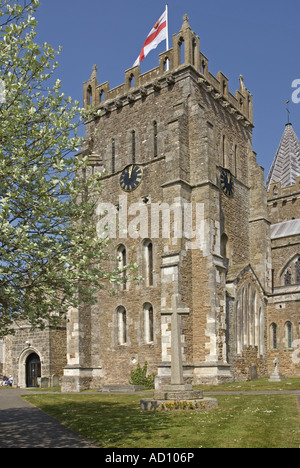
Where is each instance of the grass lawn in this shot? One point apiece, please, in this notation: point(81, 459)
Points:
point(240, 421)
point(253, 385)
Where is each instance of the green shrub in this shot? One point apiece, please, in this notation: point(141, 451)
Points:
point(140, 377)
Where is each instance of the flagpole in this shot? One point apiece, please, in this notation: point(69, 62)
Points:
point(167, 12)
point(167, 41)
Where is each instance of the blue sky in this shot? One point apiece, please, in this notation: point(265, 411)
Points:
point(258, 39)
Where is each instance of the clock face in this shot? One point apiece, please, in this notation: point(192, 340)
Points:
point(131, 178)
point(227, 182)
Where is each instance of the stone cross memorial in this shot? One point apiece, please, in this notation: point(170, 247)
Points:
point(276, 376)
point(178, 390)
point(176, 345)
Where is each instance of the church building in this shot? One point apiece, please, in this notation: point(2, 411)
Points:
point(184, 200)
point(283, 313)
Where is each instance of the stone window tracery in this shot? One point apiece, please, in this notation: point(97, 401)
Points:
point(249, 320)
point(291, 273)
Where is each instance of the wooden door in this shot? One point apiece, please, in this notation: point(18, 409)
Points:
point(33, 370)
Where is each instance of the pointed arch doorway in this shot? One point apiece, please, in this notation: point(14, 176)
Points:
point(33, 370)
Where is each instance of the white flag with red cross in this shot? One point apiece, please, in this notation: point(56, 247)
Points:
point(158, 33)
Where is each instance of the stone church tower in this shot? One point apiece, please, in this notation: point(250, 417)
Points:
point(184, 199)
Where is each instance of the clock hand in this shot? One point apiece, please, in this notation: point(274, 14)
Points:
point(130, 172)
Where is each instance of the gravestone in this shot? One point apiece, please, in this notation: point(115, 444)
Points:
point(44, 382)
point(253, 373)
point(55, 381)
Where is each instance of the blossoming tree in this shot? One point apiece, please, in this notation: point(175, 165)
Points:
point(50, 254)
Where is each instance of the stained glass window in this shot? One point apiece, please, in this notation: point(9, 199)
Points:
point(274, 336)
point(288, 278)
point(288, 335)
point(298, 271)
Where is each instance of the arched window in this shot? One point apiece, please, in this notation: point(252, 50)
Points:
point(245, 313)
point(273, 336)
point(148, 323)
point(194, 52)
point(89, 96)
point(122, 325)
point(155, 150)
point(113, 156)
point(224, 246)
point(166, 64)
point(261, 333)
point(148, 262)
point(249, 320)
point(224, 87)
point(291, 272)
point(252, 315)
point(203, 67)
point(122, 261)
point(133, 146)
point(181, 51)
point(297, 267)
point(288, 328)
point(131, 80)
point(224, 159)
point(239, 327)
point(236, 160)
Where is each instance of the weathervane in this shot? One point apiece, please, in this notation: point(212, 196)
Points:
point(288, 110)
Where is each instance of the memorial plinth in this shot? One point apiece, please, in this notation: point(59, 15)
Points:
point(152, 404)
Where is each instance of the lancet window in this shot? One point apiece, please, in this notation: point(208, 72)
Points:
point(122, 325)
point(249, 320)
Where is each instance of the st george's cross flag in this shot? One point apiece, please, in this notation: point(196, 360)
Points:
point(158, 33)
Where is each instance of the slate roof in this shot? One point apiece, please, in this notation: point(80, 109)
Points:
point(286, 165)
point(285, 229)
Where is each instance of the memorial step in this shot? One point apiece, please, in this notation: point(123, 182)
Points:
point(121, 389)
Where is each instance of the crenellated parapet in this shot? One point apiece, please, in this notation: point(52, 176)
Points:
point(184, 53)
point(277, 191)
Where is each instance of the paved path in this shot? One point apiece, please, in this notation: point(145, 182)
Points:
point(22, 425)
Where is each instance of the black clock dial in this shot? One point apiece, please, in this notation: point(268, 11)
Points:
point(227, 183)
point(131, 178)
